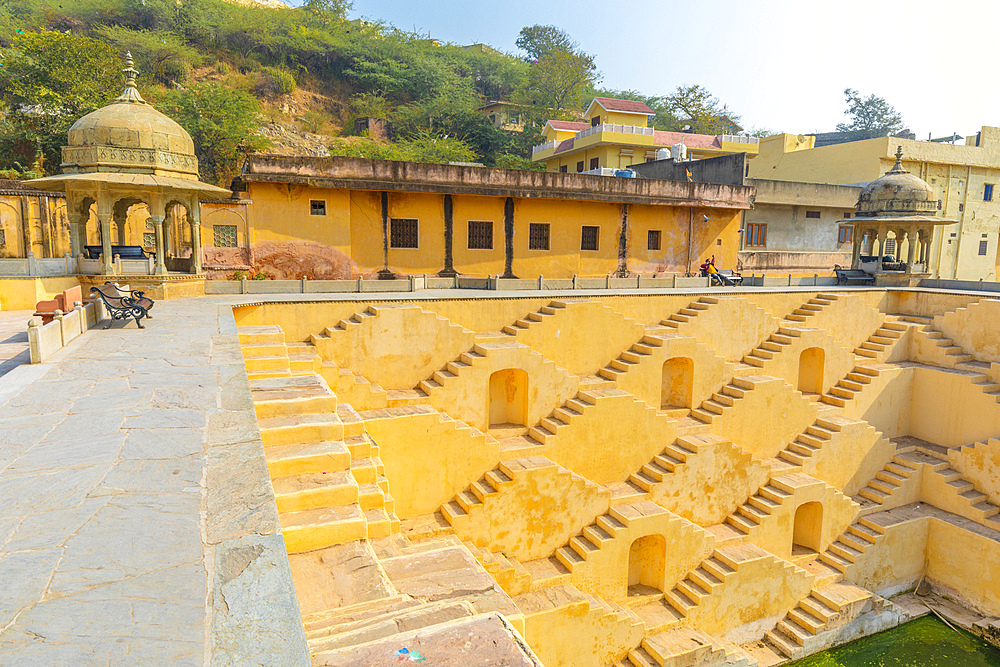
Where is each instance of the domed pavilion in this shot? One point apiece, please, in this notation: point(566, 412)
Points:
point(901, 207)
point(123, 155)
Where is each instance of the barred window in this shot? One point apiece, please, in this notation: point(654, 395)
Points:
point(317, 207)
point(983, 247)
point(588, 237)
point(813, 214)
point(3, 237)
point(480, 235)
point(653, 239)
point(224, 236)
point(538, 236)
point(149, 239)
point(402, 233)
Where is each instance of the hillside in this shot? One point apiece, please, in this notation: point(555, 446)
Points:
point(245, 75)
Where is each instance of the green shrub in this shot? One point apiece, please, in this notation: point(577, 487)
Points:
point(274, 81)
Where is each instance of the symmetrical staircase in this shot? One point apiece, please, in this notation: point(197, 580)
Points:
point(759, 506)
point(506, 570)
point(893, 478)
point(531, 318)
point(852, 544)
point(850, 387)
point(879, 344)
point(688, 313)
point(810, 308)
point(813, 615)
point(685, 646)
point(722, 400)
point(632, 357)
point(813, 439)
point(661, 465)
point(775, 344)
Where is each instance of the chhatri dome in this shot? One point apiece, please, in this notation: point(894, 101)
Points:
point(900, 207)
point(123, 154)
point(106, 139)
point(896, 192)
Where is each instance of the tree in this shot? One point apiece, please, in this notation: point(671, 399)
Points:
point(223, 123)
point(558, 80)
point(162, 55)
point(871, 115)
point(695, 106)
point(49, 79)
point(328, 10)
point(539, 40)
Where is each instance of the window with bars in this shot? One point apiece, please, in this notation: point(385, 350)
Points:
point(480, 235)
point(988, 192)
point(149, 239)
point(595, 163)
point(579, 166)
point(317, 207)
point(814, 215)
point(224, 236)
point(983, 247)
point(653, 239)
point(848, 214)
point(538, 236)
point(845, 235)
point(889, 247)
point(756, 235)
point(563, 169)
point(3, 236)
point(588, 237)
point(402, 233)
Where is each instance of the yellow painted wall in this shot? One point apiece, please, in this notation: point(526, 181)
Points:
point(25, 293)
point(965, 562)
point(980, 464)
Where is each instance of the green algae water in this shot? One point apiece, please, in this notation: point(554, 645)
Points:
point(925, 642)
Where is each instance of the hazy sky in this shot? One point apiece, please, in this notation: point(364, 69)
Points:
point(782, 64)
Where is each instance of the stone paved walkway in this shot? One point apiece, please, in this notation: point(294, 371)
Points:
point(14, 339)
point(137, 525)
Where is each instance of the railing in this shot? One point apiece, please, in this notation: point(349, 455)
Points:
point(544, 147)
point(37, 266)
point(44, 340)
point(738, 139)
point(611, 127)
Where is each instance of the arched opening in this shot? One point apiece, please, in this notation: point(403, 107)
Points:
point(646, 564)
point(509, 398)
point(677, 385)
point(811, 370)
point(807, 534)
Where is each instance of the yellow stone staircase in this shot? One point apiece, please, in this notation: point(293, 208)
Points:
point(533, 317)
point(795, 635)
point(813, 439)
point(775, 344)
point(880, 344)
point(811, 308)
point(684, 646)
point(723, 400)
point(688, 313)
point(894, 485)
point(852, 544)
point(851, 386)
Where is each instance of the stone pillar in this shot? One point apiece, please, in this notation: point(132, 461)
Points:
point(385, 273)
point(449, 237)
point(194, 218)
point(859, 237)
point(106, 259)
point(928, 250)
point(911, 249)
point(622, 270)
point(77, 233)
point(161, 266)
point(508, 233)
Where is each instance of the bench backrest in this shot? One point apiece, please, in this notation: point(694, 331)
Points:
point(123, 251)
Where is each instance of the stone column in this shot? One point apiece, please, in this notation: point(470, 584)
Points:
point(194, 218)
point(161, 266)
point(911, 250)
point(928, 250)
point(508, 233)
point(107, 266)
point(622, 270)
point(859, 237)
point(449, 237)
point(77, 233)
point(385, 273)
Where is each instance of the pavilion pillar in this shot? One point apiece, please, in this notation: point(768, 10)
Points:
point(161, 265)
point(859, 237)
point(194, 218)
point(107, 261)
point(928, 248)
point(911, 249)
point(77, 233)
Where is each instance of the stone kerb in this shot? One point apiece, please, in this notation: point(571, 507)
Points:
point(46, 340)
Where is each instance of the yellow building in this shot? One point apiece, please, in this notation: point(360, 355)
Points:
point(503, 115)
point(963, 179)
point(616, 135)
point(343, 217)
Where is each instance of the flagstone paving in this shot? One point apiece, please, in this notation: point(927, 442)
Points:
point(14, 339)
point(137, 524)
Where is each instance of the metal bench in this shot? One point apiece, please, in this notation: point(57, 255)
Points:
point(854, 277)
point(123, 251)
point(731, 276)
point(124, 304)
